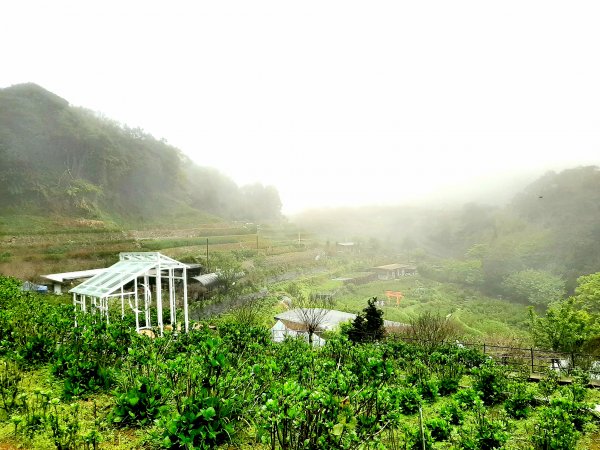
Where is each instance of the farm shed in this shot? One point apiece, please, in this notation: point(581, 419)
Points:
point(59, 280)
point(208, 280)
point(131, 280)
point(393, 271)
point(283, 329)
point(358, 278)
point(291, 323)
point(28, 286)
point(345, 247)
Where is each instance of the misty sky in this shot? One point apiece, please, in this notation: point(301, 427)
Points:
point(333, 102)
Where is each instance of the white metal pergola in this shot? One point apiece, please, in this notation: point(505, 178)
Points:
point(129, 280)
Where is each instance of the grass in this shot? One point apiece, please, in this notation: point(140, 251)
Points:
point(480, 317)
point(52, 245)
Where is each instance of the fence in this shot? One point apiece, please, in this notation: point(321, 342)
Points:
point(538, 361)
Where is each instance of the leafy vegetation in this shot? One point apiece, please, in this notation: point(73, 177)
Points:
point(368, 326)
point(232, 387)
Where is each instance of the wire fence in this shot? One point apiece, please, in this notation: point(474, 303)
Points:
point(538, 361)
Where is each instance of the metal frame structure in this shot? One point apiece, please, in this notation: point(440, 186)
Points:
point(129, 279)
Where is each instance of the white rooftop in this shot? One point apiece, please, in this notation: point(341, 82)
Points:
point(69, 276)
point(331, 319)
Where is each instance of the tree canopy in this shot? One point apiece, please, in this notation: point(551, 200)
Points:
point(70, 161)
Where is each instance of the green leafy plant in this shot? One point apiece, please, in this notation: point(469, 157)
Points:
point(518, 404)
point(409, 400)
point(64, 425)
point(491, 381)
point(453, 413)
point(439, 428)
point(554, 430)
point(428, 390)
point(466, 398)
point(140, 405)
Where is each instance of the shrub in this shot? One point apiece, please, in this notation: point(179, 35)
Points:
point(453, 413)
point(409, 400)
point(466, 398)
point(486, 434)
point(518, 404)
point(448, 385)
point(428, 390)
point(140, 405)
point(554, 430)
point(414, 441)
point(89, 357)
point(491, 382)
point(577, 412)
point(439, 428)
point(203, 423)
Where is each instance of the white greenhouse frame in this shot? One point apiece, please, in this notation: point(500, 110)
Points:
point(138, 268)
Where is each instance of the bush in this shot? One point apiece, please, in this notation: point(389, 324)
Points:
point(466, 398)
point(89, 357)
point(409, 400)
point(428, 390)
point(140, 405)
point(453, 413)
point(439, 428)
point(414, 441)
point(518, 404)
point(554, 430)
point(491, 382)
point(486, 434)
point(203, 424)
point(577, 412)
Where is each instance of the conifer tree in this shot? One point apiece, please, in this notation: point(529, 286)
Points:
point(368, 325)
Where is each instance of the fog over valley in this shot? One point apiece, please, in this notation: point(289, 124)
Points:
point(337, 103)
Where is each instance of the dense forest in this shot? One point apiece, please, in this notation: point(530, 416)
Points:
point(59, 159)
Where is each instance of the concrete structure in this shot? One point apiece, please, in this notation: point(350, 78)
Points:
point(345, 247)
point(28, 286)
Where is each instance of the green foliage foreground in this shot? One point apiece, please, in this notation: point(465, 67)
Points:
point(233, 388)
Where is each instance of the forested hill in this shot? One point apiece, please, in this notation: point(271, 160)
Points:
point(549, 234)
point(59, 159)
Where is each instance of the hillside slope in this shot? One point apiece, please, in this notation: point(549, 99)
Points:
point(68, 161)
point(552, 226)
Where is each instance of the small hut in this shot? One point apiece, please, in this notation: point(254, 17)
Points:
point(393, 271)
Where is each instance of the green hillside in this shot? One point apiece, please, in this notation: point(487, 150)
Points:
point(542, 241)
point(56, 159)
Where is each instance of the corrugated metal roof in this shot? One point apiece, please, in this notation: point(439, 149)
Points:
point(208, 279)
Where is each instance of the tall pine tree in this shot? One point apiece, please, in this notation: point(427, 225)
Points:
point(368, 326)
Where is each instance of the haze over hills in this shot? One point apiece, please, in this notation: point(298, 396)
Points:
point(552, 225)
point(67, 161)
point(58, 159)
